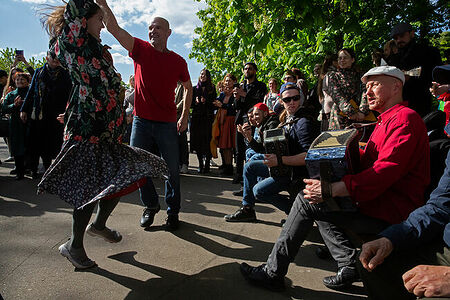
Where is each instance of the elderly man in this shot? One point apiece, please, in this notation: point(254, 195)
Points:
point(421, 245)
point(157, 71)
point(395, 174)
point(300, 131)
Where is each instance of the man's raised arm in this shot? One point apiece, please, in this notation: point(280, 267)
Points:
point(121, 35)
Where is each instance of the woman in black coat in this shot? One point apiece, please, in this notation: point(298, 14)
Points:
point(46, 99)
point(202, 118)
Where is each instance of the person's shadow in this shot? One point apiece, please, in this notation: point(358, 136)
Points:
point(218, 282)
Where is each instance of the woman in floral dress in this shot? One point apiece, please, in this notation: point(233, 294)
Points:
point(344, 87)
point(93, 164)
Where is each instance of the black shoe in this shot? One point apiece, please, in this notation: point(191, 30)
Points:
point(207, 168)
point(19, 177)
point(237, 179)
point(149, 216)
point(172, 223)
point(243, 214)
point(259, 277)
point(13, 172)
point(343, 278)
point(200, 170)
point(227, 170)
point(322, 252)
point(238, 193)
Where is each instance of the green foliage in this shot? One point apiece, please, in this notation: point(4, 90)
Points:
point(7, 56)
point(281, 34)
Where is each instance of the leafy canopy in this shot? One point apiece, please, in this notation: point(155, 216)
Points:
point(281, 34)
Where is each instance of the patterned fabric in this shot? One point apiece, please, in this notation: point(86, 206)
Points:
point(344, 85)
point(102, 170)
point(94, 111)
point(93, 164)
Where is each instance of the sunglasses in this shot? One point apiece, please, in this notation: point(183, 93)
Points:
point(287, 78)
point(289, 99)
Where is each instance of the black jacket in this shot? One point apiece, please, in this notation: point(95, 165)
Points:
point(255, 94)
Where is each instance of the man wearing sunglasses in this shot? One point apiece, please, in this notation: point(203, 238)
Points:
point(396, 172)
point(300, 130)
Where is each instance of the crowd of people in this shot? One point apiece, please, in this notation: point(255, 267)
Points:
point(73, 114)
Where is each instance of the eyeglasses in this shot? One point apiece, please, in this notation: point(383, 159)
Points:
point(289, 99)
point(287, 78)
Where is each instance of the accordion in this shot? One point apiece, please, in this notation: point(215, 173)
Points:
point(332, 155)
point(275, 142)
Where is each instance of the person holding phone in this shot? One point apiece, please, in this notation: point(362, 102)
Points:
point(246, 94)
point(299, 126)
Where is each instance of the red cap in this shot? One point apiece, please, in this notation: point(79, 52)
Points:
point(261, 106)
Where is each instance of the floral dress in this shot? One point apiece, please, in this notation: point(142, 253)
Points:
point(344, 87)
point(93, 164)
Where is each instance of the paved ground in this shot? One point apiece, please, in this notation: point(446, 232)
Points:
point(199, 261)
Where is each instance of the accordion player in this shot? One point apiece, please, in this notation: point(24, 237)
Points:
point(276, 142)
point(332, 155)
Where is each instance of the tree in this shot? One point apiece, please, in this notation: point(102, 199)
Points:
point(7, 56)
point(282, 34)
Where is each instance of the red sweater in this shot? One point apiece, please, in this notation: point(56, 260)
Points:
point(396, 164)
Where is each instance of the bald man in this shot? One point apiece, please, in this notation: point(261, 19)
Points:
point(396, 171)
point(155, 126)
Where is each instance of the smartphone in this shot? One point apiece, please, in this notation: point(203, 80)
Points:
point(19, 52)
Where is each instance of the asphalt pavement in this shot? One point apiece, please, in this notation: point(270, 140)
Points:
point(199, 261)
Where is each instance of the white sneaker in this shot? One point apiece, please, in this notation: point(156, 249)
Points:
point(184, 169)
point(213, 163)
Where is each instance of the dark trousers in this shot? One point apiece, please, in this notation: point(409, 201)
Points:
point(300, 221)
point(183, 144)
point(385, 282)
point(19, 162)
point(34, 162)
point(240, 154)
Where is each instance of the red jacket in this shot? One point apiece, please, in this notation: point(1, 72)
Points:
point(396, 164)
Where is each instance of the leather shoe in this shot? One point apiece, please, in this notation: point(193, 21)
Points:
point(149, 216)
point(344, 277)
point(259, 277)
point(172, 223)
point(243, 214)
point(238, 193)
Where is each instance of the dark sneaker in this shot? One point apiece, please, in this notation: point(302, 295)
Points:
point(243, 214)
point(237, 179)
point(13, 171)
point(259, 277)
point(343, 278)
point(172, 223)
point(238, 193)
point(149, 216)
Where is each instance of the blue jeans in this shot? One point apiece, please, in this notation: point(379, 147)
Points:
point(259, 186)
point(149, 135)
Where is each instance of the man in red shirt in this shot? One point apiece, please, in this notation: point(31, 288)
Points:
point(395, 175)
point(155, 126)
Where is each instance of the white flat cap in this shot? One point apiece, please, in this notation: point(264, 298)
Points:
point(384, 70)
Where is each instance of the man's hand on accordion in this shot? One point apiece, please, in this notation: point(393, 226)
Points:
point(313, 191)
point(270, 160)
